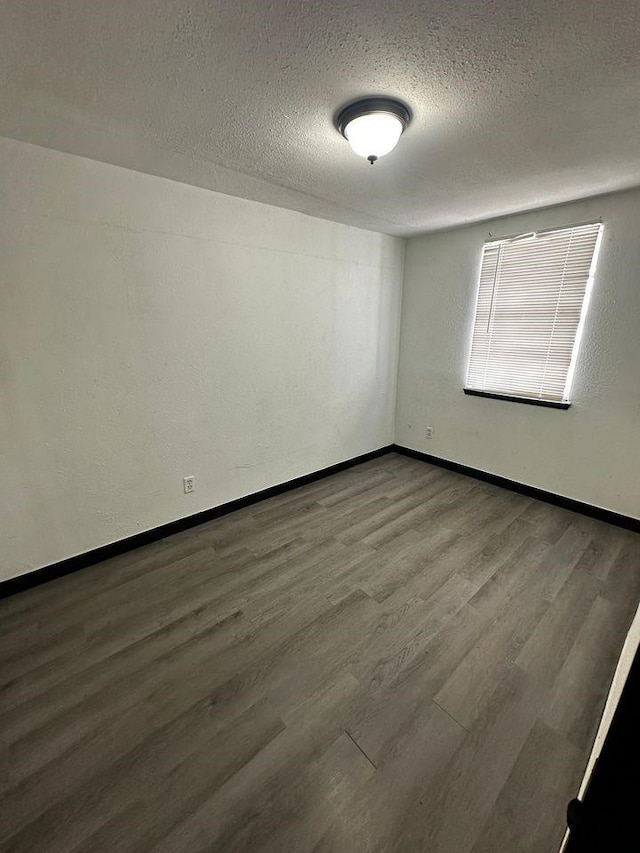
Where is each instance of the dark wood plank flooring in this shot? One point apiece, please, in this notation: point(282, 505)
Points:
point(395, 658)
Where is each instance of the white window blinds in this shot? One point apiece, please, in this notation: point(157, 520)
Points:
point(531, 301)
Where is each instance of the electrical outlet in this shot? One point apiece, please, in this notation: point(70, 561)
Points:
point(430, 432)
point(189, 484)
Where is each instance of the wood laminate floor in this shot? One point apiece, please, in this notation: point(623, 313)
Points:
point(395, 658)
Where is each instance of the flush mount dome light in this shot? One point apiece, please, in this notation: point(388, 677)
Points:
point(373, 126)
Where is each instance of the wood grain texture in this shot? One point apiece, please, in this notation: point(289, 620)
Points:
point(395, 658)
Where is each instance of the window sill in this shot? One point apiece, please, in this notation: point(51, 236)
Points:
point(549, 404)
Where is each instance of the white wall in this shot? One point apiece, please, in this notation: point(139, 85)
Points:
point(590, 452)
point(151, 330)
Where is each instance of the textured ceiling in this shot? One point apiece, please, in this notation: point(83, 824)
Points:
point(516, 104)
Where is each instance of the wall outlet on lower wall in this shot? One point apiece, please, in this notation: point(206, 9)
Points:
point(189, 484)
point(430, 432)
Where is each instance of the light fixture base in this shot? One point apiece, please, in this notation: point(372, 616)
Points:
point(365, 106)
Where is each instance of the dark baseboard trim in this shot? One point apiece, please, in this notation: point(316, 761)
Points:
point(98, 555)
point(626, 521)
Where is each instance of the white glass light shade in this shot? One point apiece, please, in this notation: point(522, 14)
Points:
point(374, 135)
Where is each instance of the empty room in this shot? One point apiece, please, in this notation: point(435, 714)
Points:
point(319, 426)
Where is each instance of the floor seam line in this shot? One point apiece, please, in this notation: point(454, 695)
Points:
point(357, 745)
point(457, 722)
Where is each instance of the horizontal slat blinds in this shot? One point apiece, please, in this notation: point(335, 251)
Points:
point(530, 302)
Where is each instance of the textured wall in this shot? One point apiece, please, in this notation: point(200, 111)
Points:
point(591, 451)
point(152, 330)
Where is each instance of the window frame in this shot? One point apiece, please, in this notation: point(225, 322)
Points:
point(533, 401)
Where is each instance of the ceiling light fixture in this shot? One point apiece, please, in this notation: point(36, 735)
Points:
point(373, 126)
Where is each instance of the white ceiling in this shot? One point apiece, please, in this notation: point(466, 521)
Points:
point(516, 104)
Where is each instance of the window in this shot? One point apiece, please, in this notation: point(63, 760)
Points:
point(532, 298)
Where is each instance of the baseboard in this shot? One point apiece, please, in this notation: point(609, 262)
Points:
point(114, 549)
point(611, 517)
point(105, 552)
